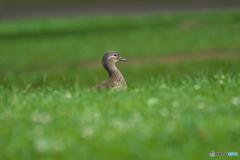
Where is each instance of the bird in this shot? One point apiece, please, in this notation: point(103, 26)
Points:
point(116, 79)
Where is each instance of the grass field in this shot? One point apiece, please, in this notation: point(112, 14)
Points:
point(183, 99)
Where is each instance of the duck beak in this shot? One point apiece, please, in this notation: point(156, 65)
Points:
point(122, 59)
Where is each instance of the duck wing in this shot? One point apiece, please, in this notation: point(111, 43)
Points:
point(108, 84)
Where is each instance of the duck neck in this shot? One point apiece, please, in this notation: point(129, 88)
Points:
point(113, 71)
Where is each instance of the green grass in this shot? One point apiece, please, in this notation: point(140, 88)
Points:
point(172, 109)
point(157, 120)
point(31, 49)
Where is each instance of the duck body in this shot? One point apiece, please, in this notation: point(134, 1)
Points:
point(116, 79)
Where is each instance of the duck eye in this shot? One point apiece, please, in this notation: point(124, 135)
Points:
point(115, 55)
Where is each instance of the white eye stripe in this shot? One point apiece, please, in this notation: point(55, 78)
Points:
point(111, 56)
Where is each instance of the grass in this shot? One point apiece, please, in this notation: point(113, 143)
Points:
point(58, 47)
point(174, 106)
point(155, 121)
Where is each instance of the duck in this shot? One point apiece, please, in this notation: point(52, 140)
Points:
point(116, 79)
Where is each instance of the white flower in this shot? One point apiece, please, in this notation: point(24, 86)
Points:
point(68, 95)
point(41, 117)
point(164, 112)
point(201, 105)
point(197, 87)
point(221, 81)
point(175, 103)
point(235, 100)
point(136, 90)
point(96, 114)
point(42, 145)
point(176, 116)
point(87, 132)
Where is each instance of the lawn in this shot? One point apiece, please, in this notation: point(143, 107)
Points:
point(182, 101)
point(62, 48)
point(156, 120)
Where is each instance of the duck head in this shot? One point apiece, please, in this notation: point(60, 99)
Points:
point(110, 58)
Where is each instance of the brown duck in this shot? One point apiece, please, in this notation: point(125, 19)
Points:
point(116, 80)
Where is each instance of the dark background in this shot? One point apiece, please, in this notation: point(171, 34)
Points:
point(15, 9)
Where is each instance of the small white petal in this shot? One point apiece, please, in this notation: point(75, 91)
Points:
point(221, 81)
point(197, 87)
point(164, 112)
point(68, 95)
point(175, 104)
point(235, 100)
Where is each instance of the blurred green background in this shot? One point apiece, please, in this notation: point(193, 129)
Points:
point(67, 51)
